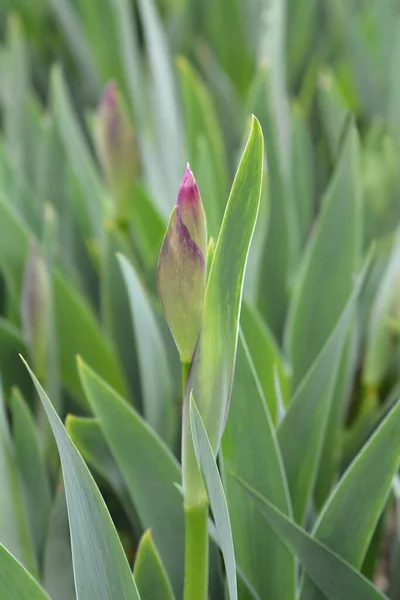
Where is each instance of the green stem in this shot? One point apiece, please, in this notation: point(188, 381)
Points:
point(185, 373)
point(196, 538)
point(196, 552)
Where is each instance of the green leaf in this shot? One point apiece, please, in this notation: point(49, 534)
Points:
point(281, 233)
point(114, 303)
point(147, 226)
point(58, 574)
point(230, 44)
point(96, 20)
point(302, 165)
point(271, 50)
point(150, 576)
point(79, 334)
point(335, 578)
point(14, 525)
point(168, 134)
point(266, 357)
point(14, 110)
point(95, 207)
point(331, 455)
point(321, 292)
point(149, 469)
point(307, 416)
point(156, 384)
point(347, 522)
point(69, 21)
point(332, 109)
point(211, 373)
point(250, 449)
point(215, 491)
point(15, 240)
point(202, 124)
point(88, 437)
point(33, 471)
point(11, 343)
point(15, 581)
point(100, 566)
point(77, 329)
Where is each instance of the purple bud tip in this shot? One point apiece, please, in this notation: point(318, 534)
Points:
point(109, 99)
point(188, 194)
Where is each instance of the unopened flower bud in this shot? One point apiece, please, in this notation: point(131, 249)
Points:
point(116, 147)
point(35, 305)
point(181, 274)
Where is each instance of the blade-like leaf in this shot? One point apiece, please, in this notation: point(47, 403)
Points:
point(335, 578)
point(321, 292)
point(168, 138)
point(69, 22)
point(266, 357)
point(150, 576)
point(349, 517)
point(149, 469)
point(211, 373)
point(15, 581)
point(15, 532)
point(79, 333)
point(101, 569)
point(256, 457)
point(31, 465)
point(58, 574)
point(215, 491)
point(202, 124)
point(158, 399)
point(308, 413)
point(282, 228)
point(88, 437)
point(95, 207)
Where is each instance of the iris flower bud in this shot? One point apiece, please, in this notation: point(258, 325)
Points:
point(116, 147)
point(35, 305)
point(181, 273)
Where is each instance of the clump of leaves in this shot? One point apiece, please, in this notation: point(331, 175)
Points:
point(285, 324)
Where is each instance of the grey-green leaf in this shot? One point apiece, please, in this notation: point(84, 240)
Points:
point(100, 566)
point(215, 491)
point(149, 469)
point(157, 392)
point(255, 456)
point(149, 572)
point(308, 413)
point(32, 467)
point(331, 260)
point(15, 581)
point(266, 357)
point(347, 522)
point(15, 532)
point(335, 577)
point(58, 574)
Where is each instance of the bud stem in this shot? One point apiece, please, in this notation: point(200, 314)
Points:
point(185, 373)
point(196, 552)
point(196, 537)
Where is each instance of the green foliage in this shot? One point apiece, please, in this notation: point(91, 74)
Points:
point(263, 465)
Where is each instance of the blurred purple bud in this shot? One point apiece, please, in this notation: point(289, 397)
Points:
point(116, 147)
point(35, 304)
point(191, 211)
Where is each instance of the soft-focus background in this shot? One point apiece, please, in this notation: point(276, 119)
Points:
point(102, 103)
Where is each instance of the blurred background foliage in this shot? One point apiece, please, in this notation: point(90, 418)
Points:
point(188, 74)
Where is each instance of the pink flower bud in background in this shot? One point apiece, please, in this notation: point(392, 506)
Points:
point(116, 148)
point(181, 273)
point(35, 308)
